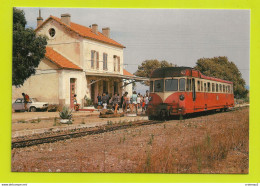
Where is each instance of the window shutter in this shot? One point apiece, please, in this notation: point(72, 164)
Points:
point(92, 58)
point(104, 61)
point(118, 61)
point(97, 60)
point(114, 63)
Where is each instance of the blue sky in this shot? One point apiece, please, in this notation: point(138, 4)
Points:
point(179, 36)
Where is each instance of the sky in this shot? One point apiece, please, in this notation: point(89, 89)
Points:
point(179, 36)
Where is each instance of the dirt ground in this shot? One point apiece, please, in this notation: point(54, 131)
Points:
point(38, 120)
point(216, 143)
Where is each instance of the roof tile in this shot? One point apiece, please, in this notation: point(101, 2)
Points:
point(84, 32)
point(60, 60)
point(126, 73)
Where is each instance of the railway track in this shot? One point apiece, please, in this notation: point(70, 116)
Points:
point(21, 142)
point(36, 139)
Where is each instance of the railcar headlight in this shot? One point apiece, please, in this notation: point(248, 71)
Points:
point(182, 97)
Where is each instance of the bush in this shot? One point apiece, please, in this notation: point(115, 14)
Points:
point(88, 102)
point(66, 113)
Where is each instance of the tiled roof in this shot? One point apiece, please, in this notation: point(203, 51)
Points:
point(126, 73)
point(60, 60)
point(84, 32)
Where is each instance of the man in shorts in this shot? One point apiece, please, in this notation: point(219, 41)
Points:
point(134, 101)
point(26, 100)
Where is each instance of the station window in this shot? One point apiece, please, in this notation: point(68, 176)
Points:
point(158, 85)
point(198, 85)
point(182, 84)
point(216, 87)
point(151, 86)
point(213, 87)
point(208, 87)
point(171, 84)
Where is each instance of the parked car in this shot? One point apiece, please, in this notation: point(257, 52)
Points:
point(33, 105)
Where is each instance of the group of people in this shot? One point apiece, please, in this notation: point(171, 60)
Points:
point(136, 101)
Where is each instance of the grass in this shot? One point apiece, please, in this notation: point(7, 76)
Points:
point(150, 140)
point(22, 121)
point(38, 120)
point(109, 122)
point(83, 121)
point(222, 143)
point(219, 144)
point(55, 122)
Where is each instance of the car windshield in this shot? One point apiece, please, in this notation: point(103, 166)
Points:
point(34, 100)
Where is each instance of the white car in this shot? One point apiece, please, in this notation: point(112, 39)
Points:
point(32, 105)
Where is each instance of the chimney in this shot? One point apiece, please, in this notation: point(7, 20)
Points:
point(65, 18)
point(106, 32)
point(39, 19)
point(95, 28)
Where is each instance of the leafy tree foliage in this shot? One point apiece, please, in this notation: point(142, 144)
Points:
point(28, 49)
point(147, 66)
point(220, 67)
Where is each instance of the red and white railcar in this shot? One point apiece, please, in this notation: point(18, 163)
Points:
point(184, 90)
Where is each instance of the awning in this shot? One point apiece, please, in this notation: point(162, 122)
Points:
point(106, 74)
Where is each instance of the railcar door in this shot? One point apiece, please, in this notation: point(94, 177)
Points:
point(194, 96)
point(193, 90)
point(205, 96)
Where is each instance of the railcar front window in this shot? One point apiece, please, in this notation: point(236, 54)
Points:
point(182, 85)
point(151, 86)
point(171, 84)
point(158, 85)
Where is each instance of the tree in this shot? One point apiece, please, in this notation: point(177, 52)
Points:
point(148, 66)
point(220, 67)
point(28, 49)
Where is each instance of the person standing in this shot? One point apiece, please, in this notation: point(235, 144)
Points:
point(26, 100)
point(126, 102)
point(99, 100)
point(134, 101)
point(104, 100)
point(115, 102)
point(122, 102)
point(146, 100)
point(138, 100)
point(147, 93)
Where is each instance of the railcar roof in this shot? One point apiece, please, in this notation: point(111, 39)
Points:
point(168, 72)
point(177, 72)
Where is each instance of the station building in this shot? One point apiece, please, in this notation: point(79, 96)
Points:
point(79, 60)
